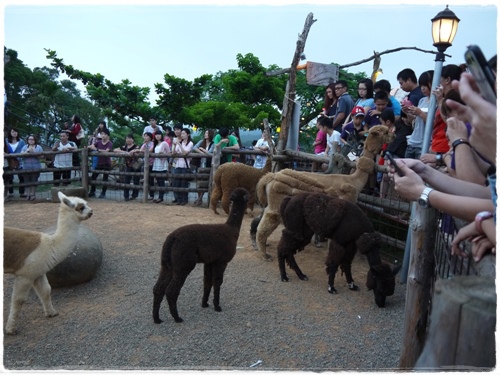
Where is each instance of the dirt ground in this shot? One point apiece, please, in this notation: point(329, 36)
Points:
point(132, 233)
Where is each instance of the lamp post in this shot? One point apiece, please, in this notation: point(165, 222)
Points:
point(444, 29)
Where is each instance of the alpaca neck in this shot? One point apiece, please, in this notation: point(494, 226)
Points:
point(373, 258)
point(66, 235)
point(267, 166)
point(359, 178)
point(236, 215)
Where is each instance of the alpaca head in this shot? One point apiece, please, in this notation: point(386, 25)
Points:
point(366, 165)
point(377, 136)
point(75, 205)
point(239, 195)
point(381, 279)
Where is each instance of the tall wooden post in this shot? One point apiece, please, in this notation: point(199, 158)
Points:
point(419, 285)
point(286, 115)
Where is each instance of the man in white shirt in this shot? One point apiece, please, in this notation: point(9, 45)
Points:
point(152, 127)
point(64, 160)
point(262, 145)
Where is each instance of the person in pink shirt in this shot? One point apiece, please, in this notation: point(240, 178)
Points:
point(319, 145)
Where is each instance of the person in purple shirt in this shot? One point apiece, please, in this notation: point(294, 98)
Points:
point(372, 118)
point(103, 162)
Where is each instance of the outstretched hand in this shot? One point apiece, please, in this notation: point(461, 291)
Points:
point(411, 185)
point(480, 243)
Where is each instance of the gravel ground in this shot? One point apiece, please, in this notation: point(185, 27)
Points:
point(107, 323)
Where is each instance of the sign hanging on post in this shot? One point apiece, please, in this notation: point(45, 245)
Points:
point(321, 74)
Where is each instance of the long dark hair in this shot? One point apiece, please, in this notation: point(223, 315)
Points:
point(369, 88)
point(9, 136)
point(188, 132)
point(208, 142)
point(155, 141)
point(329, 102)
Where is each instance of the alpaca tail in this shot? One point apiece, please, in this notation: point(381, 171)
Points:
point(166, 259)
point(261, 188)
point(283, 205)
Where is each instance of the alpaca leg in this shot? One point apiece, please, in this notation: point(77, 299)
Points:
point(218, 278)
point(346, 267)
point(267, 225)
point(207, 284)
point(42, 289)
point(226, 202)
point(173, 291)
point(286, 250)
point(159, 291)
point(214, 198)
point(20, 292)
point(335, 253)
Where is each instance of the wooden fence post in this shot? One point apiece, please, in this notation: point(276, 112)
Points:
point(85, 171)
point(462, 327)
point(145, 189)
point(419, 285)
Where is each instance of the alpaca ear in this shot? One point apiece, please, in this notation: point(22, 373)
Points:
point(64, 199)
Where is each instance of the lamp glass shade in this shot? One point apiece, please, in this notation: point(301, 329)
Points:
point(444, 28)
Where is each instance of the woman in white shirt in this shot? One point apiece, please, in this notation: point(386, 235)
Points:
point(180, 151)
point(160, 165)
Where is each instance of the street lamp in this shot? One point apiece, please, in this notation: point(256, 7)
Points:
point(444, 29)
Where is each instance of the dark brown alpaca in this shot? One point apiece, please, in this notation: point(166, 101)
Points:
point(211, 244)
point(348, 228)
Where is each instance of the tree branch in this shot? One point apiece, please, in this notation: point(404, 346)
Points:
point(375, 55)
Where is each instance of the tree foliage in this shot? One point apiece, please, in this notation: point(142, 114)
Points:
point(39, 104)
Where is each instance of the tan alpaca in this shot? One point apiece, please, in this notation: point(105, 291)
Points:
point(29, 255)
point(273, 187)
point(230, 176)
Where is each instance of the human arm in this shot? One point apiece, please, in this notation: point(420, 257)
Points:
point(481, 113)
point(411, 186)
point(481, 242)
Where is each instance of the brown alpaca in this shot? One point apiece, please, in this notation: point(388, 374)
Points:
point(272, 188)
point(230, 176)
point(211, 244)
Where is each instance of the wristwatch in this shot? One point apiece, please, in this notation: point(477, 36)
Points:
point(439, 160)
point(423, 201)
point(483, 215)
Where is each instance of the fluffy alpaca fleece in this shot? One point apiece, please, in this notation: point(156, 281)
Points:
point(347, 226)
point(272, 188)
point(211, 244)
point(29, 255)
point(230, 176)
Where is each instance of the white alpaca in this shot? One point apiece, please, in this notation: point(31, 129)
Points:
point(29, 255)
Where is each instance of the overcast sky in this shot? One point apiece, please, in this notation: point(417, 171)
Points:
point(143, 41)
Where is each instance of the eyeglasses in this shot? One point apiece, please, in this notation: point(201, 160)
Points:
point(338, 88)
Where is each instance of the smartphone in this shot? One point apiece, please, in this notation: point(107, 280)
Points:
point(482, 73)
point(388, 156)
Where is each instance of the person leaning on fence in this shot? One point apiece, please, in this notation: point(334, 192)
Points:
point(180, 152)
point(319, 144)
point(14, 145)
point(345, 104)
point(103, 162)
point(76, 134)
point(31, 163)
point(148, 145)
point(160, 165)
point(204, 146)
point(132, 165)
point(228, 142)
point(354, 130)
point(262, 145)
point(96, 135)
point(64, 160)
point(469, 201)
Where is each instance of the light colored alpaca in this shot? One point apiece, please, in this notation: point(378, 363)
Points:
point(273, 187)
point(29, 255)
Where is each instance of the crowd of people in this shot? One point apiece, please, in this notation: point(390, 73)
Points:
point(170, 146)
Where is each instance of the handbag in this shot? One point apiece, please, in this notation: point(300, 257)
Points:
point(81, 133)
point(138, 164)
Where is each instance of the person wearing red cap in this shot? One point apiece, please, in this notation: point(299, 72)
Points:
point(354, 129)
